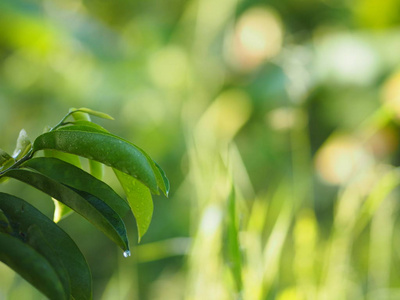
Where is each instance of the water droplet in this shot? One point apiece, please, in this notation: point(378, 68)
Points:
point(127, 253)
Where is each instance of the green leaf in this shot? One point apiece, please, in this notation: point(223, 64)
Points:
point(102, 147)
point(140, 201)
point(5, 226)
point(23, 145)
point(32, 266)
point(90, 207)
point(96, 168)
point(72, 176)
point(84, 125)
point(92, 112)
point(37, 240)
point(161, 179)
point(164, 179)
point(61, 211)
point(23, 215)
point(5, 160)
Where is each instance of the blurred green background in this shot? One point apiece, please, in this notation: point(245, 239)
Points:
point(276, 122)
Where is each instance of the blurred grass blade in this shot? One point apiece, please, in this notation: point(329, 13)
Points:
point(233, 246)
point(23, 145)
point(140, 201)
point(90, 207)
point(96, 169)
point(77, 178)
point(92, 112)
point(32, 266)
point(23, 215)
point(102, 147)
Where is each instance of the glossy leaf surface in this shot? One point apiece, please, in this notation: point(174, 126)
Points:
point(22, 215)
point(90, 207)
point(161, 179)
point(101, 147)
point(32, 266)
point(72, 176)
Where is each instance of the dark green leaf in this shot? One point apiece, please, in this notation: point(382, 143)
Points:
point(92, 208)
point(161, 179)
point(5, 226)
point(60, 210)
point(72, 176)
point(37, 240)
point(164, 179)
point(31, 265)
point(23, 145)
point(140, 201)
point(102, 147)
point(23, 215)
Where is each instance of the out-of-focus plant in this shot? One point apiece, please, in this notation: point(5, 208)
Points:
point(33, 245)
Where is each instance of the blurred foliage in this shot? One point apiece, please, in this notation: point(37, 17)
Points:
point(294, 105)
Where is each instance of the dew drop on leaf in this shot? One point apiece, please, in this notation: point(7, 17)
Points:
point(127, 253)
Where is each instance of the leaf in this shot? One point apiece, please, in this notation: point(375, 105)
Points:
point(102, 147)
point(23, 215)
point(5, 226)
point(36, 239)
point(90, 207)
point(161, 179)
point(6, 161)
point(72, 176)
point(164, 178)
point(23, 145)
point(96, 168)
point(140, 201)
point(92, 112)
point(31, 265)
point(61, 211)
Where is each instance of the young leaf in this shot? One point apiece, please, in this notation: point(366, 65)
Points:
point(101, 147)
point(23, 145)
point(32, 266)
point(23, 215)
point(6, 161)
point(90, 207)
point(140, 201)
point(92, 112)
point(72, 176)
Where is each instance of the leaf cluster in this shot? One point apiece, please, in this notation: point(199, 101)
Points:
point(35, 246)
